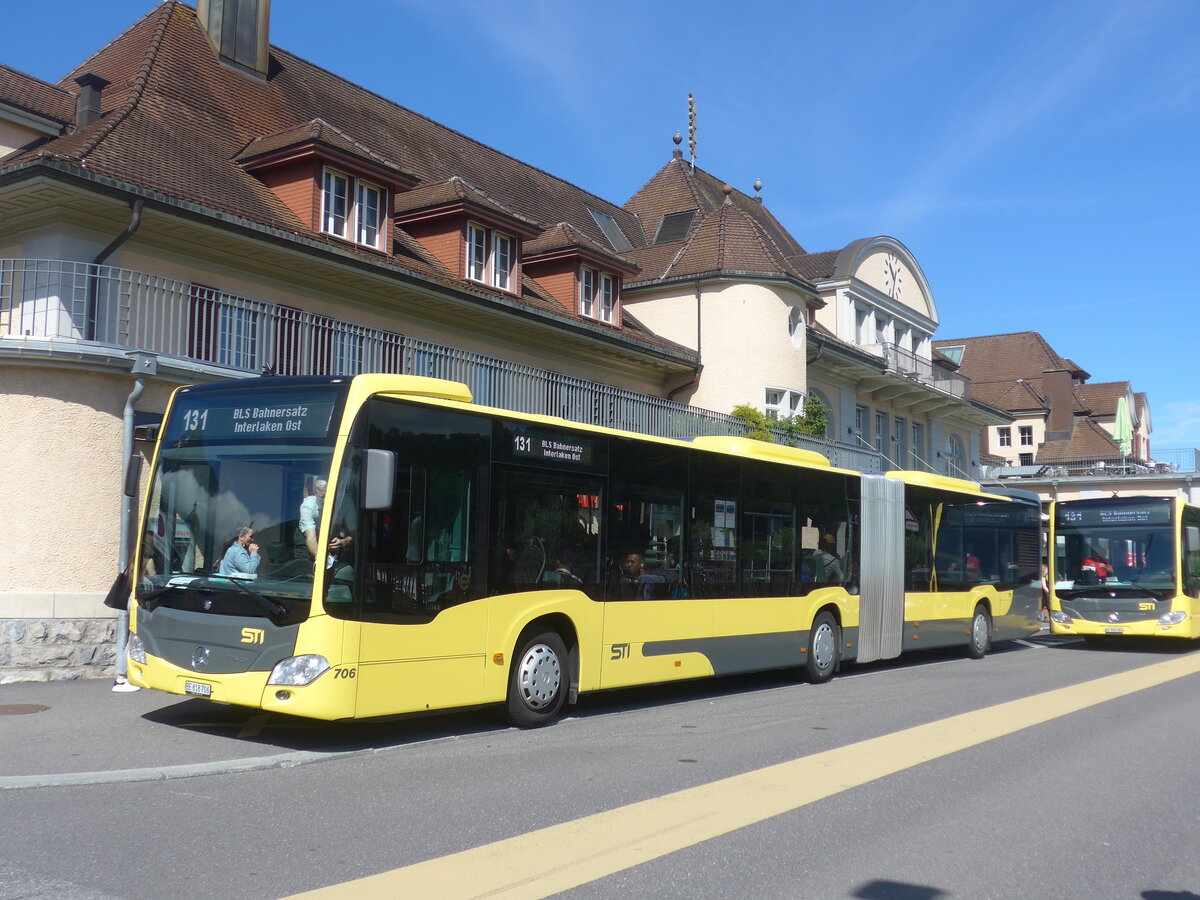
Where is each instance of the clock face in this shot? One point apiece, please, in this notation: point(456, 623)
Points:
point(892, 276)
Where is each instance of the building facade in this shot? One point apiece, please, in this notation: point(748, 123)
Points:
point(190, 205)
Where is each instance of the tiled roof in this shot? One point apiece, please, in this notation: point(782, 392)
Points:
point(677, 187)
point(1004, 359)
point(1102, 397)
point(1088, 441)
point(178, 122)
point(36, 96)
point(815, 266)
point(729, 237)
point(315, 131)
point(564, 236)
point(455, 190)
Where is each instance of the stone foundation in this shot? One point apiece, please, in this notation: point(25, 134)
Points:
point(56, 649)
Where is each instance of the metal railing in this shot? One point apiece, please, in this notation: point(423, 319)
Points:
point(1090, 467)
point(904, 362)
point(129, 310)
point(1180, 459)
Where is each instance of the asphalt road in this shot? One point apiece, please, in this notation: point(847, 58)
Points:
point(886, 784)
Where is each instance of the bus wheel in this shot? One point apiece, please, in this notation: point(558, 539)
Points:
point(981, 633)
point(824, 646)
point(537, 682)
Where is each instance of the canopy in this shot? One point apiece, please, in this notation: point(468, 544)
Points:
point(1122, 428)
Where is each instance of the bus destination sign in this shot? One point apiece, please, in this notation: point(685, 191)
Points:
point(550, 447)
point(218, 422)
point(1116, 515)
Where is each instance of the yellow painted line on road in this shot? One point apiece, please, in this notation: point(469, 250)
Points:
point(554, 859)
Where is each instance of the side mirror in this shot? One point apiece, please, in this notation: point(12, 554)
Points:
point(379, 479)
point(133, 475)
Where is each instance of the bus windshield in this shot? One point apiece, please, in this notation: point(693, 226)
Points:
point(1109, 547)
point(236, 501)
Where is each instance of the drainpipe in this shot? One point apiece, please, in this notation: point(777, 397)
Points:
point(94, 281)
point(144, 365)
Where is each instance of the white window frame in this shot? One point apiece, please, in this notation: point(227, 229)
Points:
point(1025, 433)
point(1004, 436)
point(477, 252)
point(359, 215)
point(368, 216)
point(502, 271)
point(330, 179)
point(781, 403)
point(587, 292)
point(607, 297)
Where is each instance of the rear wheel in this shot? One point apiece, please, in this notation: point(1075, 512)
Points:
point(824, 648)
point(981, 633)
point(537, 681)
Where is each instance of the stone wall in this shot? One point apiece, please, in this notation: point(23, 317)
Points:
point(56, 649)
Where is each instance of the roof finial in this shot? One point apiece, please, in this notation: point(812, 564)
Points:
point(758, 189)
point(678, 139)
point(692, 129)
point(727, 190)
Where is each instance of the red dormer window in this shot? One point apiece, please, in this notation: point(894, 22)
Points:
point(597, 295)
point(352, 209)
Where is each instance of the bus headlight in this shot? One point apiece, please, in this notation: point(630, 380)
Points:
point(1060, 617)
point(298, 670)
point(1172, 618)
point(136, 649)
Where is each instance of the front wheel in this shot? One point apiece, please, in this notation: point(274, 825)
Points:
point(537, 681)
point(824, 648)
point(981, 633)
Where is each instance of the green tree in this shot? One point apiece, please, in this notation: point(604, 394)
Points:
point(813, 420)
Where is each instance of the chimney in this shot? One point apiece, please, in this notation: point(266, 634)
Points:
point(239, 31)
point(87, 104)
point(1059, 388)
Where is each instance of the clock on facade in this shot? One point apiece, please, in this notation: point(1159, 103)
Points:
point(892, 276)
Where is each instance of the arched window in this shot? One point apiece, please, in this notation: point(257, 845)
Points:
point(955, 457)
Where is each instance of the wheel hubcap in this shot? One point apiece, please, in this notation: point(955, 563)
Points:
point(540, 676)
point(981, 631)
point(823, 647)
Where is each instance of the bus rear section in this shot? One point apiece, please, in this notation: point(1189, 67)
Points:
point(1125, 567)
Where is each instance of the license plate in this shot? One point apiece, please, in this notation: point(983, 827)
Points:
point(1114, 630)
point(197, 688)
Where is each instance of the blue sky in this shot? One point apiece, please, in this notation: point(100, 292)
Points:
point(1038, 158)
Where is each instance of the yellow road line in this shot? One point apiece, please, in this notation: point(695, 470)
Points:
point(560, 857)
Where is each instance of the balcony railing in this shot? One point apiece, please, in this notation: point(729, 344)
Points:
point(1096, 467)
point(904, 362)
point(105, 305)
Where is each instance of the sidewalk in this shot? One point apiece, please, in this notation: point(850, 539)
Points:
point(81, 732)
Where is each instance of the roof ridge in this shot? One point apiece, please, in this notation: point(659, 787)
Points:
point(165, 11)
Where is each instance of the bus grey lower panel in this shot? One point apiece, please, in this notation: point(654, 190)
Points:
point(881, 589)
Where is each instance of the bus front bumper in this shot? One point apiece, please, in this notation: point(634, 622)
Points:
point(1063, 624)
point(327, 697)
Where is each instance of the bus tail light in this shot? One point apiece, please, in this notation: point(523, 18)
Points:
point(1172, 618)
point(136, 649)
point(298, 670)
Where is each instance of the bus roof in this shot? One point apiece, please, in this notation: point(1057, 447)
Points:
point(944, 483)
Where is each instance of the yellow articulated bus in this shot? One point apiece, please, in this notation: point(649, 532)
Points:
point(380, 545)
point(1125, 566)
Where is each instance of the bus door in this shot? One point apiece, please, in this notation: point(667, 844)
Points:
point(411, 576)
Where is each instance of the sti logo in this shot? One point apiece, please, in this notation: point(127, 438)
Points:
point(620, 651)
point(253, 635)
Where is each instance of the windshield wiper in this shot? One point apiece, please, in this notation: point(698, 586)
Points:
point(267, 605)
